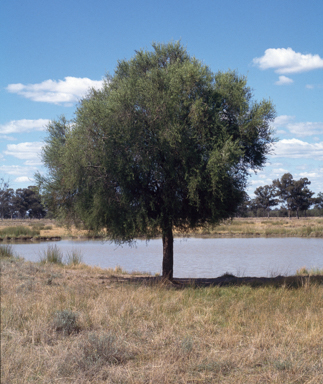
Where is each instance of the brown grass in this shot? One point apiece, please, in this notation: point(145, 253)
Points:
point(239, 227)
point(80, 324)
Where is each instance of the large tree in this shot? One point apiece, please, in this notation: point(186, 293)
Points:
point(164, 144)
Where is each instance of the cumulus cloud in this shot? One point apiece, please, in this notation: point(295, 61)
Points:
point(282, 121)
point(306, 128)
point(298, 129)
point(5, 137)
point(297, 149)
point(288, 61)
point(16, 170)
point(24, 151)
point(24, 125)
point(309, 174)
point(279, 170)
point(23, 179)
point(283, 80)
point(67, 91)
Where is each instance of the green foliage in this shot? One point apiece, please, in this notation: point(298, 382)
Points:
point(265, 197)
point(294, 193)
point(165, 143)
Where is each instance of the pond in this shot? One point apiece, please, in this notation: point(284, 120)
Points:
point(196, 257)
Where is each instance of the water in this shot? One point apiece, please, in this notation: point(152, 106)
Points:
point(196, 257)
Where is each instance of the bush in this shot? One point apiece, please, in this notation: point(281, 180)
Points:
point(100, 349)
point(65, 322)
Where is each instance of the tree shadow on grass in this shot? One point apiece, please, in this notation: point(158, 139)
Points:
point(226, 280)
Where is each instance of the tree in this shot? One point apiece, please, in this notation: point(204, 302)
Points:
point(27, 200)
point(164, 144)
point(6, 194)
point(294, 193)
point(244, 206)
point(303, 196)
point(319, 201)
point(265, 197)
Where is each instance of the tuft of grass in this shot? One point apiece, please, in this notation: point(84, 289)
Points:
point(309, 272)
point(6, 251)
point(93, 354)
point(74, 258)
point(100, 349)
point(52, 255)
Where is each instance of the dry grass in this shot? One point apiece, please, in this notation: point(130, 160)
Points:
point(239, 227)
point(273, 227)
point(80, 324)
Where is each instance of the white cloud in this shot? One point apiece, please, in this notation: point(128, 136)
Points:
point(288, 61)
point(24, 125)
point(283, 80)
point(282, 121)
point(5, 137)
point(297, 149)
point(305, 129)
point(24, 151)
point(309, 174)
point(298, 129)
point(279, 170)
point(23, 179)
point(16, 170)
point(304, 166)
point(69, 90)
point(310, 86)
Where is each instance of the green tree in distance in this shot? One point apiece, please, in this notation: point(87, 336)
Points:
point(164, 144)
point(266, 197)
point(319, 201)
point(294, 193)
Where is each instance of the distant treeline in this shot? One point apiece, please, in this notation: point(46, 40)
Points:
point(288, 196)
point(285, 197)
point(21, 203)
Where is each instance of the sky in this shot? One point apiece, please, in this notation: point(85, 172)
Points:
point(52, 52)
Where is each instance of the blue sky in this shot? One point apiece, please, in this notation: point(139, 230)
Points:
point(53, 51)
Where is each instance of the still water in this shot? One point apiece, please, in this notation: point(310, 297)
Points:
point(196, 257)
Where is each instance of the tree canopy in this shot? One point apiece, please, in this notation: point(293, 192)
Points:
point(164, 144)
point(294, 193)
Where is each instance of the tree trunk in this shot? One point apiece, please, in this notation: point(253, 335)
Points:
point(168, 254)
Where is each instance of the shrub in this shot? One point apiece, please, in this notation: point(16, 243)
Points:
point(101, 349)
point(65, 322)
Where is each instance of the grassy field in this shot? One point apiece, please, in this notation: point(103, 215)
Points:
point(78, 324)
point(250, 227)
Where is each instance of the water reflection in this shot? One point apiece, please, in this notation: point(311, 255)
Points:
point(196, 257)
